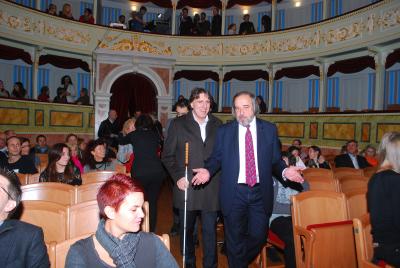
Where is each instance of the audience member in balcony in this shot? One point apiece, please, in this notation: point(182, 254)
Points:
point(216, 22)
point(61, 96)
point(118, 240)
point(19, 91)
point(41, 145)
point(87, 16)
point(52, 10)
point(3, 144)
point(95, 158)
point(186, 23)
point(60, 168)
point(125, 152)
point(26, 151)
point(203, 25)
point(3, 92)
point(316, 159)
point(137, 23)
point(70, 91)
point(351, 158)
point(76, 158)
point(109, 130)
point(120, 24)
point(22, 244)
point(246, 27)
point(383, 202)
point(195, 29)
point(17, 162)
point(262, 106)
point(66, 12)
point(266, 23)
point(71, 140)
point(295, 151)
point(84, 98)
point(44, 94)
point(370, 155)
point(232, 29)
point(303, 154)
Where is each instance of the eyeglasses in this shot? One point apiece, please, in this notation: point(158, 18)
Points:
point(8, 194)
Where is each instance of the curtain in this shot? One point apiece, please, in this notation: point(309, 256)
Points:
point(246, 75)
point(160, 3)
point(392, 58)
point(64, 62)
point(297, 72)
point(196, 75)
point(352, 65)
point(12, 53)
point(199, 3)
point(131, 92)
point(231, 3)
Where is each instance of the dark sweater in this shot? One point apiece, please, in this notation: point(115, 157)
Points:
point(384, 206)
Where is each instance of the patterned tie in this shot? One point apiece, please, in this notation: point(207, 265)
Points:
point(251, 177)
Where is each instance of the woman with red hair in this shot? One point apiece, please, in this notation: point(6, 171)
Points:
point(118, 241)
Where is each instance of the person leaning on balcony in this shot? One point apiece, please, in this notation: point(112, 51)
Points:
point(3, 92)
point(87, 16)
point(246, 27)
point(66, 12)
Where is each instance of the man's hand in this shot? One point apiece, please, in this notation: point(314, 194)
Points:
point(293, 174)
point(182, 184)
point(202, 176)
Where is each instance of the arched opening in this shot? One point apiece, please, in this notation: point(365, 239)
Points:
point(131, 92)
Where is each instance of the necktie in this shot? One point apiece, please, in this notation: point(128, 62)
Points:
point(251, 177)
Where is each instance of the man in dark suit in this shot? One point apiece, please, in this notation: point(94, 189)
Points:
point(351, 158)
point(21, 244)
point(247, 152)
point(108, 129)
point(198, 128)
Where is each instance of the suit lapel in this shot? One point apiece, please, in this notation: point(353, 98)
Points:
point(194, 127)
point(260, 143)
point(235, 144)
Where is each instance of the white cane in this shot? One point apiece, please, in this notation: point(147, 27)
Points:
point(185, 209)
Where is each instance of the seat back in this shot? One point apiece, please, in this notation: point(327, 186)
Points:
point(23, 178)
point(33, 178)
point(44, 159)
point(370, 171)
point(51, 251)
point(83, 218)
point(61, 250)
point(345, 171)
point(323, 184)
point(96, 176)
point(145, 226)
point(352, 182)
point(318, 173)
point(357, 202)
point(60, 193)
point(50, 216)
point(87, 192)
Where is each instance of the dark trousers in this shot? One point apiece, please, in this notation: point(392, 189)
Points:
point(283, 228)
point(209, 237)
point(246, 226)
point(388, 253)
point(152, 186)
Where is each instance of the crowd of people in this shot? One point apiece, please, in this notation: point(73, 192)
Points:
point(227, 182)
point(66, 93)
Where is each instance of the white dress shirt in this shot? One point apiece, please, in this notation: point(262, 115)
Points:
point(242, 150)
point(202, 126)
point(354, 160)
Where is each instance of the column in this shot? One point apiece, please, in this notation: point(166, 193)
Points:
point(380, 61)
point(173, 26)
point(95, 9)
point(325, 9)
point(93, 71)
point(223, 14)
point(35, 72)
point(273, 15)
point(38, 5)
point(323, 79)
point(271, 74)
point(102, 105)
point(220, 88)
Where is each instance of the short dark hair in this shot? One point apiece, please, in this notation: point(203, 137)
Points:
point(89, 10)
point(297, 140)
point(185, 8)
point(183, 103)
point(143, 8)
point(293, 148)
point(14, 186)
point(144, 121)
point(40, 136)
point(195, 94)
point(350, 141)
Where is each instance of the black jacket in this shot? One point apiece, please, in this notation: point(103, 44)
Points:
point(107, 128)
point(344, 160)
point(22, 245)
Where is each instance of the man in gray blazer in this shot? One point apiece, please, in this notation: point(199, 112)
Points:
point(198, 128)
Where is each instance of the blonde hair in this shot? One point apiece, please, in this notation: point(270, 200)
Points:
point(389, 151)
point(127, 124)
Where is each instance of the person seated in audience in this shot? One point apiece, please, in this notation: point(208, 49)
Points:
point(44, 94)
point(66, 12)
point(59, 168)
point(84, 98)
point(70, 91)
point(303, 155)
point(87, 16)
point(10, 133)
point(246, 27)
point(137, 23)
point(125, 152)
point(61, 96)
point(82, 144)
point(26, 151)
point(383, 202)
point(293, 150)
point(120, 24)
point(3, 92)
point(186, 23)
point(137, 113)
point(71, 140)
point(21, 244)
point(370, 155)
point(351, 158)
point(75, 158)
point(108, 129)
point(316, 159)
point(118, 240)
point(3, 145)
point(95, 159)
point(19, 91)
point(52, 10)
point(232, 29)
point(17, 162)
point(262, 106)
point(41, 145)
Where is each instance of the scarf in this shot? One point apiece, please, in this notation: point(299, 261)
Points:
point(121, 251)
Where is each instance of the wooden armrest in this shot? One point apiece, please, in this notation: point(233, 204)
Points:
point(305, 239)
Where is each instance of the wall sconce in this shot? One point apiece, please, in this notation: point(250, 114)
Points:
point(245, 11)
point(133, 8)
point(297, 4)
point(195, 11)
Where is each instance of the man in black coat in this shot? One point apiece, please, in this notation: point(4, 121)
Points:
point(351, 158)
point(109, 129)
point(21, 244)
point(216, 22)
